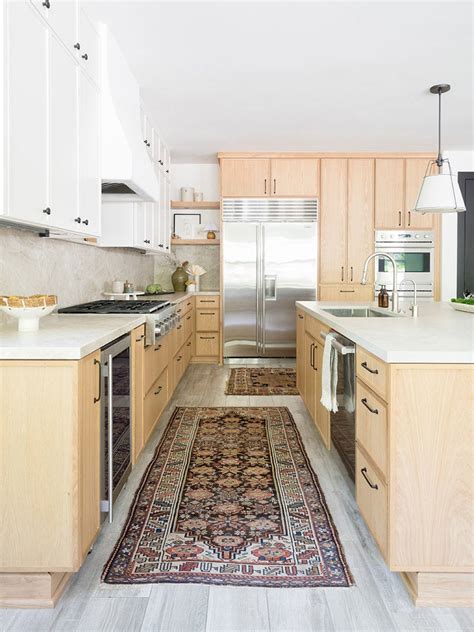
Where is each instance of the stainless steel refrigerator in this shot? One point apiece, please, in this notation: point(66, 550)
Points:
point(269, 263)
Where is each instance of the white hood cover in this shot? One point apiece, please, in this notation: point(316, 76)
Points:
point(125, 160)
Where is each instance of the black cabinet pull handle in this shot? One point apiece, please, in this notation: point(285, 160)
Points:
point(178, 359)
point(189, 344)
point(203, 300)
point(77, 46)
point(97, 399)
point(47, 210)
point(85, 56)
point(265, 186)
point(159, 390)
point(274, 186)
point(367, 368)
point(86, 222)
point(206, 337)
point(399, 218)
point(140, 338)
point(300, 316)
point(347, 291)
point(314, 361)
point(374, 411)
point(352, 273)
point(161, 162)
point(146, 241)
point(188, 318)
point(46, 4)
point(179, 326)
point(158, 347)
point(77, 220)
point(311, 355)
point(207, 314)
point(364, 474)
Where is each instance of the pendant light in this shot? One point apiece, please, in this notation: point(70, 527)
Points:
point(440, 192)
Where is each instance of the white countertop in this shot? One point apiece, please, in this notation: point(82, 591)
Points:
point(439, 334)
point(65, 336)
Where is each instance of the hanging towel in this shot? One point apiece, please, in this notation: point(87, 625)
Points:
point(349, 395)
point(329, 376)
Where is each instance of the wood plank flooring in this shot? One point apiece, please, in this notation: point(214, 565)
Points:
point(377, 603)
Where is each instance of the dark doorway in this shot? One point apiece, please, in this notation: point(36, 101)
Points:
point(466, 235)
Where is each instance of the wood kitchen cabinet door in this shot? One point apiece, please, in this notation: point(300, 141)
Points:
point(300, 357)
point(309, 373)
point(389, 192)
point(333, 223)
point(415, 169)
point(360, 217)
point(293, 177)
point(241, 177)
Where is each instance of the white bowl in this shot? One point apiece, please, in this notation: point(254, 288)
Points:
point(463, 307)
point(28, 317)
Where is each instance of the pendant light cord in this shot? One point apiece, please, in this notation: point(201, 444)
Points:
point(439, 160)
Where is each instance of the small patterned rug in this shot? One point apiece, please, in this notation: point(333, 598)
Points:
point(229, 498)
point(261, 381)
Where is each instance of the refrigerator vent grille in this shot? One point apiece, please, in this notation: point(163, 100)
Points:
point(269, 210)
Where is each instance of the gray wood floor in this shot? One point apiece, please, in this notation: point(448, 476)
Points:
point(377, 603)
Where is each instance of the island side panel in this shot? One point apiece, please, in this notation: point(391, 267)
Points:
point(38, 465)
point(431, 467)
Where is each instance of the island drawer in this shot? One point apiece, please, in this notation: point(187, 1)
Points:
point(314, 327)
point(372, 371)
point(207, 301)
point(372, 499)
point(371, 426)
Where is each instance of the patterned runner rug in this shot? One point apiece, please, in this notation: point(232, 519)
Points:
point(261, 381)
point(229, 498)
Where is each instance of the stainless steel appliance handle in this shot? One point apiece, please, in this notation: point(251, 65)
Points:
point(110, 464)
point(344, 350)
point(262, 284)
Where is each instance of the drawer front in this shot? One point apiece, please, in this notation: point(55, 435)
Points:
point(188, 324)
point(372, 498)
point(154, 404)
point(207, 320)
point(184, 307)
point(371, 426)
point(207, 301)
point(156, 359)
point(180, 333)
point(207, 344)
point(314, 327)
point(346, 292)
point(372, 371)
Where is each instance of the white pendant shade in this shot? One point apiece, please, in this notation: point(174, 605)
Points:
point(440, 193)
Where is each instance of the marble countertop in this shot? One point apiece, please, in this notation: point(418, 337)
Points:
point(439, 334)
point(65, 336)
point(177, 297)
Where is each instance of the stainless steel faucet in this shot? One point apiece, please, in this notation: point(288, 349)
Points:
point(413, 307)
point(394, 282)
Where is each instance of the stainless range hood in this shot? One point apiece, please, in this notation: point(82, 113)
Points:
point(127, 171)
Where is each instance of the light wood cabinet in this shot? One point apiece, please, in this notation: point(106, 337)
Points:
point(154, 404)
point(265, 177)
point(300, 346)
point(294, 177)
point(346, 292)
point(155, 361)
point(371, 495)
point(206, 346)
point(347, 228)
point(245, 177)
point(51, 517)
point(397, 184)
point(309, 373)
point(207, 320)
point(137, 350)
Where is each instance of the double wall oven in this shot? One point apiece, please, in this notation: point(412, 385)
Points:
point(414, 254)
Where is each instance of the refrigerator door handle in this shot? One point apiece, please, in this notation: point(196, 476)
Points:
point(270, 287)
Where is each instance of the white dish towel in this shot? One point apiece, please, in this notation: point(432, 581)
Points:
point(329, 376)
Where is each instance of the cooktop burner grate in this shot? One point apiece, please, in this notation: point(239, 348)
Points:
point(115, 307)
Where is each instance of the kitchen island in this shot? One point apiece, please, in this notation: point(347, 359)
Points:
point(414, 403)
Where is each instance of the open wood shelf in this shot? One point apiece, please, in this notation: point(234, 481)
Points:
point(176, 204)
point(195, 242)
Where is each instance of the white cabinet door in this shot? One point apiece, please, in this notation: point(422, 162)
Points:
point(88, 54)
point(156, 146)
point(166, 214)
point(63, 137)
point(149, 210)
point(139, 237)
point(27, 114)
point(89, 156)
point(62, 17)
point(148, 135)
point(166, 160)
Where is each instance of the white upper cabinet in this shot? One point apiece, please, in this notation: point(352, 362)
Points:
point(51, 125)
point(88, 52)
point(26, 124)
point(63, 137)
point(62, 17)
point(89, 209)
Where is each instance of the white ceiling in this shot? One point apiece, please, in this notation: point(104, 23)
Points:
point(299, 76)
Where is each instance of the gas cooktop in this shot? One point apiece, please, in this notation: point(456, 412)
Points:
point(116, 307)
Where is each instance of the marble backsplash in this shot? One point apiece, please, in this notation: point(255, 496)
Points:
point(206, 256)
point(76, 273)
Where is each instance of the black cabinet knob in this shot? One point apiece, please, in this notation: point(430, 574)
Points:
point(77, 46)
point(160, 245)
point(147, 241)
point(161, 162)
point(85, 56)
point(146, 142)
point(77, 220)
point(86, 222)
point(47, 210)
point(46, 4)
point(167, 171)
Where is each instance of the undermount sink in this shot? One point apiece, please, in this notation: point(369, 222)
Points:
point(358, 312)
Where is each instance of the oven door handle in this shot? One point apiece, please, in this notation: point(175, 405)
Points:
point(110, 464)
